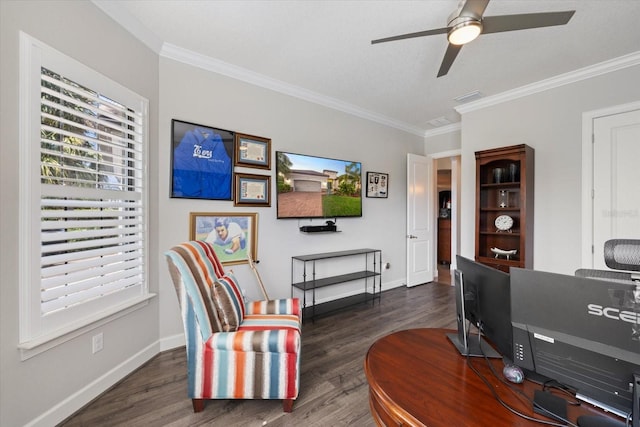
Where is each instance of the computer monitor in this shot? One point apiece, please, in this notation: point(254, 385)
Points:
point(483, 298)
point(580, 332)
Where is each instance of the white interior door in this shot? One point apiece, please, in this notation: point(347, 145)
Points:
point(616, 180)
point(420, 220)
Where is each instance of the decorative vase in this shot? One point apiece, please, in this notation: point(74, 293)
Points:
point(513, 173)
point(498, 175)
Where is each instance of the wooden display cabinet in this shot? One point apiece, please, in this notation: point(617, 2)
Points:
point(504, 187)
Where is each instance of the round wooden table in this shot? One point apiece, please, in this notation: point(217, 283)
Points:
point(418, 378)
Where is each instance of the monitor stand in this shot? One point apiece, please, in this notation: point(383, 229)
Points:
point(470, 346)
point(467, 345)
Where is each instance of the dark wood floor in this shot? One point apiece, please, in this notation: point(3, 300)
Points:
point(333, 389)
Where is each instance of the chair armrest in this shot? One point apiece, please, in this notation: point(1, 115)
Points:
point(261, 341)
point(277, 306)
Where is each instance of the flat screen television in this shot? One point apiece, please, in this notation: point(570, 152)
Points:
point(580, 332)
point(483, 298)
point(317, 187)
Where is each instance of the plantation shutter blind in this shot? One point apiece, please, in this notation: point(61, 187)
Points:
point(91, 203)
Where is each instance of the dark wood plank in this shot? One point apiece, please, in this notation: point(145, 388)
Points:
point(333, 387)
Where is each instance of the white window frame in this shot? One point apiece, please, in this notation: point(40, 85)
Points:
point(38, 331)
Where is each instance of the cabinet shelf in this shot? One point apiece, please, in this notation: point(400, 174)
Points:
point(509, 209)
point(514, 164)
point(498, 262)
point(515, 234)
point(499, 185)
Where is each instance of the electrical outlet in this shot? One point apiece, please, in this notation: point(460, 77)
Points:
point(387, 266)
point(97, 343)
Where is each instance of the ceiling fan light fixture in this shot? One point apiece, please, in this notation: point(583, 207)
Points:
point(464, 32)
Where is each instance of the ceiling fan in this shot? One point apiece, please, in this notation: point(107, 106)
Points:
point(466, 23)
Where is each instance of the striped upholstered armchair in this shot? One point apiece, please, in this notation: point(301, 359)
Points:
point(235, 350)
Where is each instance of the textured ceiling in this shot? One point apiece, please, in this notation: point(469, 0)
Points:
point(325, 46)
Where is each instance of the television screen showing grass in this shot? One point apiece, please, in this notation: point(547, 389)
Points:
point(317, 187)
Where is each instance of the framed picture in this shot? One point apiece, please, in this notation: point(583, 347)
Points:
point(252, 190)
point(253, 151)
point(233, 235)
point(377, 184)
point(202, 161)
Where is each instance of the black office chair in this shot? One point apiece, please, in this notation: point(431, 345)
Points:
point(619, 254)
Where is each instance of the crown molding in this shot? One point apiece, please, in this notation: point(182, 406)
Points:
point(453, 127)
point(204, 62)
point(605, 67)
point(445, 154)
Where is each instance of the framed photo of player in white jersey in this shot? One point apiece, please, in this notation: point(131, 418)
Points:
point(233, 235)
point(202, 160)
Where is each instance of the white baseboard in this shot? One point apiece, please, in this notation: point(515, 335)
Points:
point(174, 341)
point(395, 284)
point(79, 399)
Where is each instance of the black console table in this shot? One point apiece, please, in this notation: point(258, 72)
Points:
point(309, 283)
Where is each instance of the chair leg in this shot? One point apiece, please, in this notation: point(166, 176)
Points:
point(287, 405)
point(198, 405)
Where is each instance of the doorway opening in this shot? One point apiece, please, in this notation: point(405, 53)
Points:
point(447, 200)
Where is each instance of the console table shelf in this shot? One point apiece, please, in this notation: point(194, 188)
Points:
point(309, 283)
point(334, 280)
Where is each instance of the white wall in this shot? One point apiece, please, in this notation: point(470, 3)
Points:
point(551, 123)
point(437, 141)
point(46, 387)
point(195, 95)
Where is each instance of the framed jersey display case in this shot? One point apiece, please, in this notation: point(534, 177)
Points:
point(202, 160)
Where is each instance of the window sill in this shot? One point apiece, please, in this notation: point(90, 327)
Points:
point(31, 348)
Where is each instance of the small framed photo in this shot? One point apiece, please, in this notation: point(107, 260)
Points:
point(233, 235)
point(252, 190)
point(377, 184)
point(252, 151)
point(201, 162)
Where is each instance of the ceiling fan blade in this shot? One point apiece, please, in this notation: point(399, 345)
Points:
point(412, 35)
point(499, 24)
point(474, 8)
point(449, 57)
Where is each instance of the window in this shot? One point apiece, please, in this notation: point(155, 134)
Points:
point(83, 195)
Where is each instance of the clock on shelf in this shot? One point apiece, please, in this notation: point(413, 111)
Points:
point(504, 223)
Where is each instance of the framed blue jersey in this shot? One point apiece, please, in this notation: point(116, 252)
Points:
point(201, 162)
